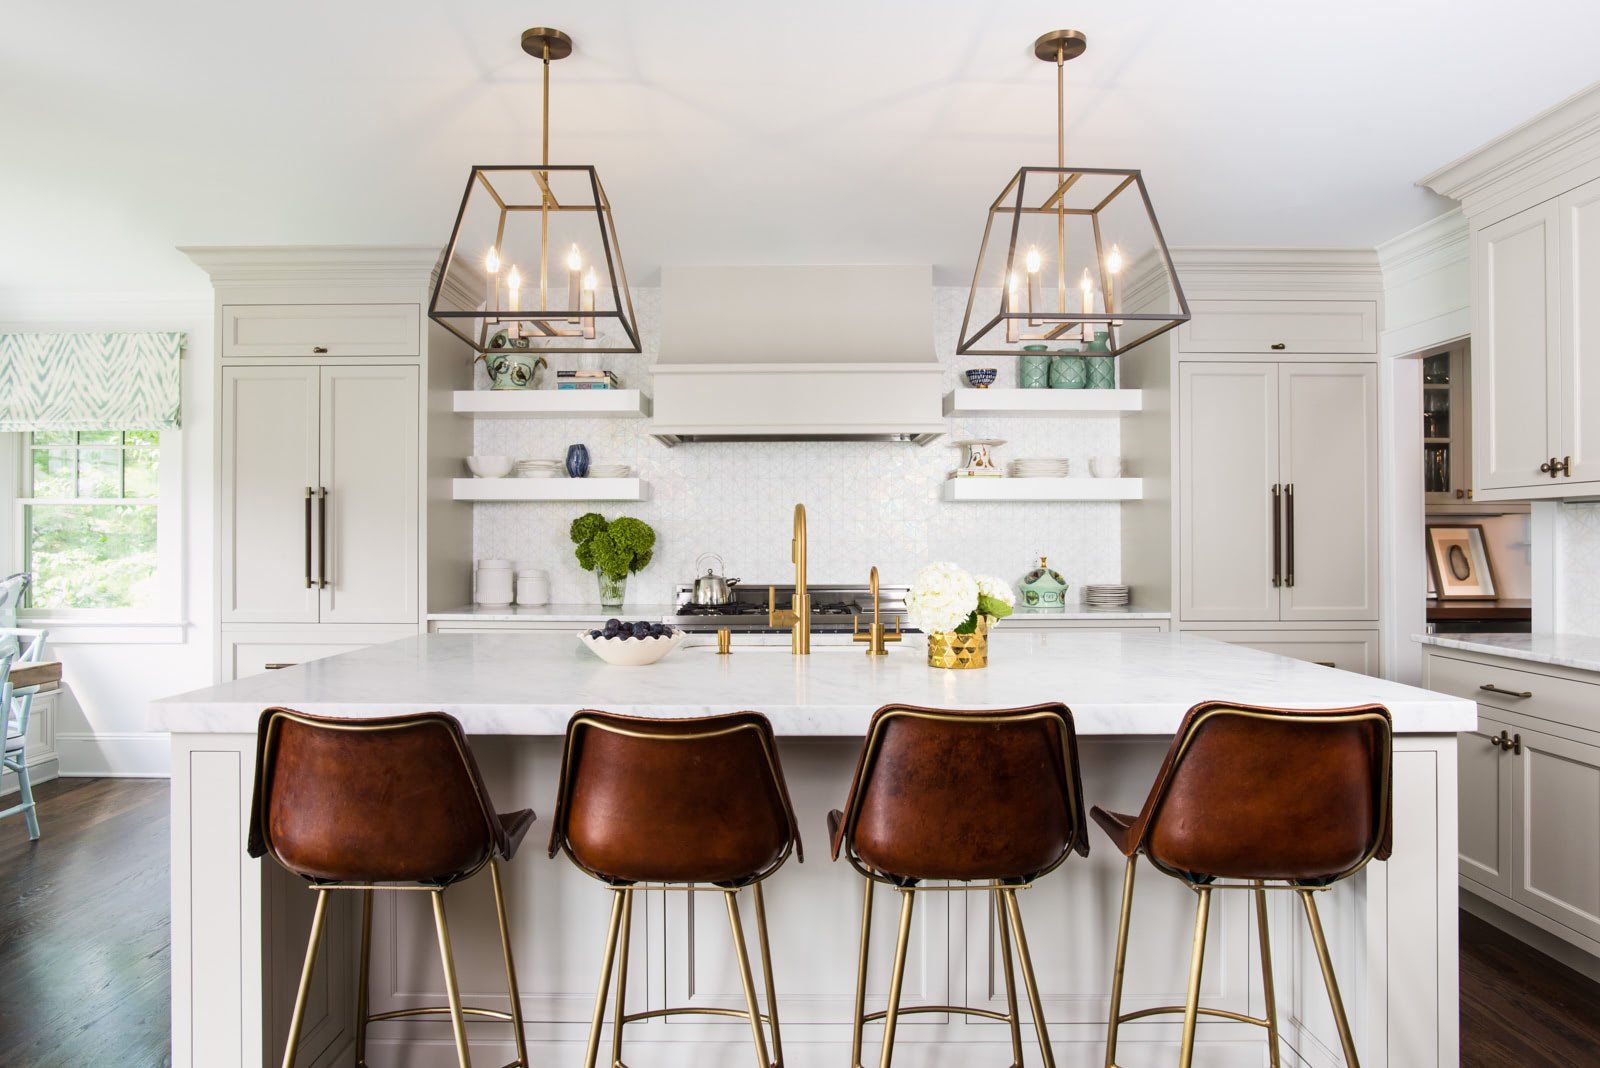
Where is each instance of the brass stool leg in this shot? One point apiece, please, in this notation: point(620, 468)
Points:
point(1345, 1038)
point(898, 978)
point(1197, 960)
point(605, 979)
point(1013, 1017)
point(363, 1002)
point(861, 977)
point(623, 944)
point(305, 980)
point(1267, 989)
point(766, 969)
point(1121, 966)
point(511, 969)
point(751, 1004)
point(1034, 1004)
point(458, 1021)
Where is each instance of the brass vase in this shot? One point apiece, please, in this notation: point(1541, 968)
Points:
point(947, 649)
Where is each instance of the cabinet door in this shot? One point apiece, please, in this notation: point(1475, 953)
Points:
point(307, 330)
point(269, 464)
point(1484, 804)
point(1514, 332)
point(1276, 326)
point(1228, 429)
point(1328, 460)
point(1580, 346)
point(371, 518)
point(1557, 830)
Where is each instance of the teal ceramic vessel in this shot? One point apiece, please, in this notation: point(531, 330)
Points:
point(1043, 588)
point(1102, 369)
point(514, 370)
point(1033, 368)
point(1067, 370)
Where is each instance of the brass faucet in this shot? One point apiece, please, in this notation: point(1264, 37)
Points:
point(876, 635)
point(797, 617)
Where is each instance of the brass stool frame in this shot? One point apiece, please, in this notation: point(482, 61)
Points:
point(456, 1011)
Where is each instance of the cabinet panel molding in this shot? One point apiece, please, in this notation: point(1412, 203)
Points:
point(312, 330)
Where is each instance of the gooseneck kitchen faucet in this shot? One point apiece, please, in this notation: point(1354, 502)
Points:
point(797, 617)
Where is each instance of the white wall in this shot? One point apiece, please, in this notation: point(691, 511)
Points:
point(112, 673)
point(867, 503)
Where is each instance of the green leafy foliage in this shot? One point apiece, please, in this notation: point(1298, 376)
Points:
point(613, 548)
point(992, 607)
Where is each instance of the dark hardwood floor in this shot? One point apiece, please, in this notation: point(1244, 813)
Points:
point(84, 949)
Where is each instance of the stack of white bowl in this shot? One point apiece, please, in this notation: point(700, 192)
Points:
point(610, 471)
point(1105, 596)
point(1041, 468)
point(540, 469)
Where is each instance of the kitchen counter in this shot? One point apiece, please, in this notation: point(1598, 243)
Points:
point(1559, 650)
point(530, 684)
point(549, 613)
point(239, 925)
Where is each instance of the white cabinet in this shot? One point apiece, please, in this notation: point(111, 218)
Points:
point(1347, 650)
point(1536, 383)
point(1286, 326)
point(312, 330)
point(1485, 804)
point(1278, 492)
point(320, 494)
point(1556, 871)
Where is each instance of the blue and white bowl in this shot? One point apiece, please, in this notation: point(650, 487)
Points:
point(981, 377)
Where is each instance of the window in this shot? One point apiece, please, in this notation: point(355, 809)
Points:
point(88, 520)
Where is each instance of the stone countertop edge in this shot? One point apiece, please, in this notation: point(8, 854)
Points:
point(1577, 651)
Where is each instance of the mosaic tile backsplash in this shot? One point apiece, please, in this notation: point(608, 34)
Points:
point(1578, 569)
point(867, 502)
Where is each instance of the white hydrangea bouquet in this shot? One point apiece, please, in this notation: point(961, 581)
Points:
point(955, 609)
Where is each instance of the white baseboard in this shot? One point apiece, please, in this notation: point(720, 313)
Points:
point(1550, 945)
point(114, 755)
point(38, 772)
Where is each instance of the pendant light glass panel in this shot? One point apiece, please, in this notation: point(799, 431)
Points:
point(533, 263)
point(1070, 254)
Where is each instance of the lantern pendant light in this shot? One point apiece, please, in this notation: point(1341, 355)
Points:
point(1070, 254)
point(533, 261)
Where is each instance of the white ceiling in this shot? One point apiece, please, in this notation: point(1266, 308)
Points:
point(738, 132)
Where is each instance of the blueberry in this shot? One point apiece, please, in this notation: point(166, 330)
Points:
point(657, 630)
point(594, 634)
point(613, 623)
point(641, 630)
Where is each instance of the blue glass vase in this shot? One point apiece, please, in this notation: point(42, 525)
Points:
point(577, 461)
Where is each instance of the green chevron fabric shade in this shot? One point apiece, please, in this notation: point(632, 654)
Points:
point(89, 381)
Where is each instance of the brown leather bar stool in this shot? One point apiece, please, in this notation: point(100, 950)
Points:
point(394, 803)
point(1250, 796)
point(991, 800)
point(676, 804)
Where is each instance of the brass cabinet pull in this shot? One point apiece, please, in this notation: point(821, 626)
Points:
point(280, 665)
point(1490, 687)
point(1288, 535)
point(1278, 346)
point(322, 537)
point(319, 350)
point(1516, 744)
point(1566, 466)
point(309, 583)
point(1277, 537)
point(1460, 494)
point(1511, 743)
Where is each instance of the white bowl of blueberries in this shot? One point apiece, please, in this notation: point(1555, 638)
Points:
point(632, 644)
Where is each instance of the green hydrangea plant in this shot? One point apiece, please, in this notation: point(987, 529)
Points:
point(616, 547)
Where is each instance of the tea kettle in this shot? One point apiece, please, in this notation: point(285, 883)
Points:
point(711, 589)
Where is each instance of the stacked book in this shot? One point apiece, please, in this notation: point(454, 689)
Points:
point(600, 379)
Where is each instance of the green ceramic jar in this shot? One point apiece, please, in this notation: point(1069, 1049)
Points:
point(1043, 588)
point(1067, 369)
point(1102, 367)
point(1033, 368)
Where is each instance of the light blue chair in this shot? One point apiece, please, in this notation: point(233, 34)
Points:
point(18, 645)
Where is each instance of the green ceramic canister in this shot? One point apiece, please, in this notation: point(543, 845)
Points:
point(1068, 370)
point(1033, 368)
point(1102, 367)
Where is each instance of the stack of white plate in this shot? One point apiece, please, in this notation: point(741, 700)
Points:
point(1105, 596)
point(1046, 468)
point(610, 471)
point(540, 469)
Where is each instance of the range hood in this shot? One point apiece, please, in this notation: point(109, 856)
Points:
point(797, 354)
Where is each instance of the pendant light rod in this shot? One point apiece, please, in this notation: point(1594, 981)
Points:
point(545, 44)
point(1057, 47)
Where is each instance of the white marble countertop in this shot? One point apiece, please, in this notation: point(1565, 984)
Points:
point(593, 613)
point(530, 684)
point(1561, 650)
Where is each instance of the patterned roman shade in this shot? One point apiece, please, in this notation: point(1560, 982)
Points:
point(89, 381)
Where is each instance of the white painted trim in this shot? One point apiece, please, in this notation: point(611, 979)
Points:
point(1543, 525)
point(119, 754)
point(41, 770)
point(1543, 148)
point(245, 266)
point(1212, 272)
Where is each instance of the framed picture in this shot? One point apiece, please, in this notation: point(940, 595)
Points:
point(1458, 562)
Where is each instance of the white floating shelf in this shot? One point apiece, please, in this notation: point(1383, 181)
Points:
point(548, 489)
point(552, 403)
point(1044, 489)
point(1042, 402)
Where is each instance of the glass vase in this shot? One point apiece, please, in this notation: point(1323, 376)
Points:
point(612, 590)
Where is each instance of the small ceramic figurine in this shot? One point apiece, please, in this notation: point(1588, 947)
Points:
point(1044, 587)
point(577, 461)
point(513, 370)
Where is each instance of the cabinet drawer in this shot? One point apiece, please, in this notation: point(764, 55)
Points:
point(305, 330)
point(1347, 650)
point(1282, 326)
point(1551, 697)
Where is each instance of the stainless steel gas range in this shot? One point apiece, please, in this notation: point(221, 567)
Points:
point(833, 609)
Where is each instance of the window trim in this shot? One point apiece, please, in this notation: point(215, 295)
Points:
point(169, 505)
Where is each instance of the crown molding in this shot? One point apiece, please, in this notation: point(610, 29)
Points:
point(1326, 271)
point(1547, 145)
point(1438, 242)
point(276, 265)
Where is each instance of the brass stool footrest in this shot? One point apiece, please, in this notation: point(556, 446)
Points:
point(1180, 1010)
point(655, 1014)
point(987, 1014)
point(442, 1010)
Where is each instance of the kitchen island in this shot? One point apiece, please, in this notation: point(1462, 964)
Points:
point(239, 925)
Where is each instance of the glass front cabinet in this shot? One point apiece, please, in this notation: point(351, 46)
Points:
point(1446, 428)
